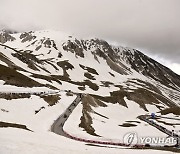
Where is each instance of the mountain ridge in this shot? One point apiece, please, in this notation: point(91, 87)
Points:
point(111, 77)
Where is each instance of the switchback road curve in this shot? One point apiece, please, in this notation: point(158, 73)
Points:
point(58, 124)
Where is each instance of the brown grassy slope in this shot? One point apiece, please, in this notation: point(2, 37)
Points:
point(12, 77)
point(141, 96)
point(51, 99)
point(6, 124)
point(174, 110)
point(86, 120)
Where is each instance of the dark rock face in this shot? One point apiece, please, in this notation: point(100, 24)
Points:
point(74, 47)
point(6, 36)
point(98, 48)
point(47, 43)
point(151, 68)
point(27, 36)
point(115, 58)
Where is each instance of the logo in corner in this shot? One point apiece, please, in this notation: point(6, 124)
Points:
point(130, 138)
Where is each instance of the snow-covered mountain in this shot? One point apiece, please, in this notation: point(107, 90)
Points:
point(39, 69)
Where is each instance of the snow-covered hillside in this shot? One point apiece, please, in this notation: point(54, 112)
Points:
point(40, 74)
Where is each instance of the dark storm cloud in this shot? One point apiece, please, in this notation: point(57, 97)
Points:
point(151, 25)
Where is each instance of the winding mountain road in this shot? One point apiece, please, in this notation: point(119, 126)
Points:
point(147, 118)
point(58, 124)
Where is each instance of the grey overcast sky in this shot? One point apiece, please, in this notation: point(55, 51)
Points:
point(152, 26)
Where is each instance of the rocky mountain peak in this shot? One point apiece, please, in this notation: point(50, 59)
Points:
point(5, 35)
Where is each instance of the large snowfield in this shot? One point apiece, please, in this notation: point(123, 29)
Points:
point(41, 140)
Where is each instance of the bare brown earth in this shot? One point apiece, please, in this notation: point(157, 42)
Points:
point(10, 96)
point(51, 99)
point(12, 77)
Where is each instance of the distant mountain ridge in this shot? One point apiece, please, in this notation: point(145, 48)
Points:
point(31, 45)
point(106, 73)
